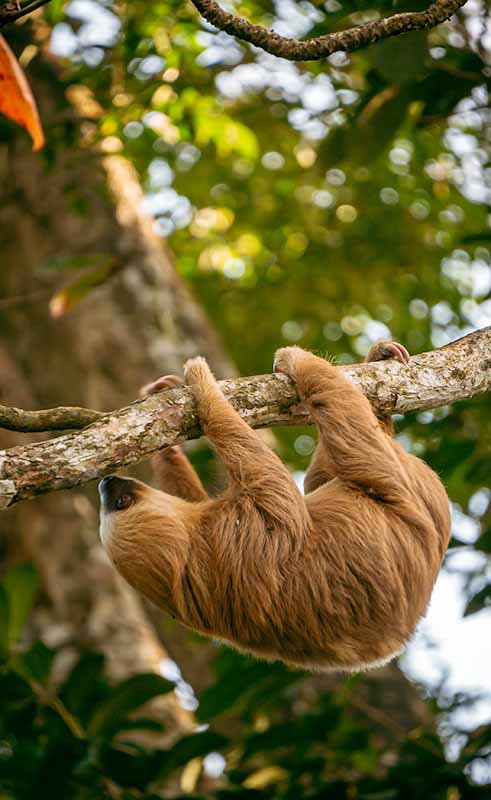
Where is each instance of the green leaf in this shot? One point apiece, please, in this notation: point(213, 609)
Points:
point(480, 600)
point(84, 685)
point(474, 238)
point(20, 585)
point(401, 60)
point(4, 623)
point(375, 128)
point(198, 744)
point(484, 541)
point(241, 680)
point(124, 699)
point(441, 90)
point(222, 696)
point(35, 665)
point(55, 10)
point(130, 766)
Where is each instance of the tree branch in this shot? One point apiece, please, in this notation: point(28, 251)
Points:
point(323, 46)
point(455, 372)
point(12, 10)
point(49, 419)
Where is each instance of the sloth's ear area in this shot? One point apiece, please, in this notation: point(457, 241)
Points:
point(117, 494)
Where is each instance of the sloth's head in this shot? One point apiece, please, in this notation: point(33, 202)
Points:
point(129, 506)
point(142, 529)
point(120, 498)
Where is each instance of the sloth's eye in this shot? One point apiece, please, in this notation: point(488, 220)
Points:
point(123, 502)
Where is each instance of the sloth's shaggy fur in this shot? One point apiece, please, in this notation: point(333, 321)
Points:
point(337, 579)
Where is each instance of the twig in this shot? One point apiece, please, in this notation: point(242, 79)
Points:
point(24, 299)
point(323, 46)
point(10, 12)
point(50, 419)
point(455, 372)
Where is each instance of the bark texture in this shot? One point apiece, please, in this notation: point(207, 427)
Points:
point(455, 372)
point(323, 46)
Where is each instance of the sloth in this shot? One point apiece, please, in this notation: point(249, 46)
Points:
point(335, 579)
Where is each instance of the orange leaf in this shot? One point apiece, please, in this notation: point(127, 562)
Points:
point(16, 100)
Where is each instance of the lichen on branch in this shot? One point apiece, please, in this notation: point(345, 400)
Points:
point(455, 372)
point(323, 46)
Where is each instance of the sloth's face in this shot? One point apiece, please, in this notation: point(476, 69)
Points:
point(130, 508)
point(117, 494)
point(143, 531)
point(119, 502)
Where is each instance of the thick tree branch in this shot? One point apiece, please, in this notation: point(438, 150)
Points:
point(455, 372)
point(323, 46)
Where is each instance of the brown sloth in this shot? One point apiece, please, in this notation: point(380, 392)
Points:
point(335, 579)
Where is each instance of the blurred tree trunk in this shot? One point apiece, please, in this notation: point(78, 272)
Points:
point(69, 201)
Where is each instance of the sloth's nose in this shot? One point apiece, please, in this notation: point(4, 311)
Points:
point(112, 489)
point(106, 487)
point(104, 484)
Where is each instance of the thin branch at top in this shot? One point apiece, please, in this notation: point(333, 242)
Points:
point(455, 372)
point(323, 46)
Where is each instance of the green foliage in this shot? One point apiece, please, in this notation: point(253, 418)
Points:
point(255, 685)
point(129, 695)
point(481, 599)
point(4, 623)
point(17, 595)
point(287, 738)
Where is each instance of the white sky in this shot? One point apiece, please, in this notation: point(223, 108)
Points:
point(446, 644)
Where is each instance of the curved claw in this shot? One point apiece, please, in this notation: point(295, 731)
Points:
point(400, 352)
point(276, 366)
point(386, 350)
point(161, 384)
point(285, 360)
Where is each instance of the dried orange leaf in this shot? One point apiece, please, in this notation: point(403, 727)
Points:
point(16, 100)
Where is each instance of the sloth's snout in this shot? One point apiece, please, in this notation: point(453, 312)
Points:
point(116, 493)
point(105, 482)
point(110, 483)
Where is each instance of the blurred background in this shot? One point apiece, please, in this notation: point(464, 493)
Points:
point(196, 195)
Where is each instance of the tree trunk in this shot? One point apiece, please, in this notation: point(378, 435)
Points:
point(141, 323)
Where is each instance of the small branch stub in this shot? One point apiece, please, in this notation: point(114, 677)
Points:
point(458, 371)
